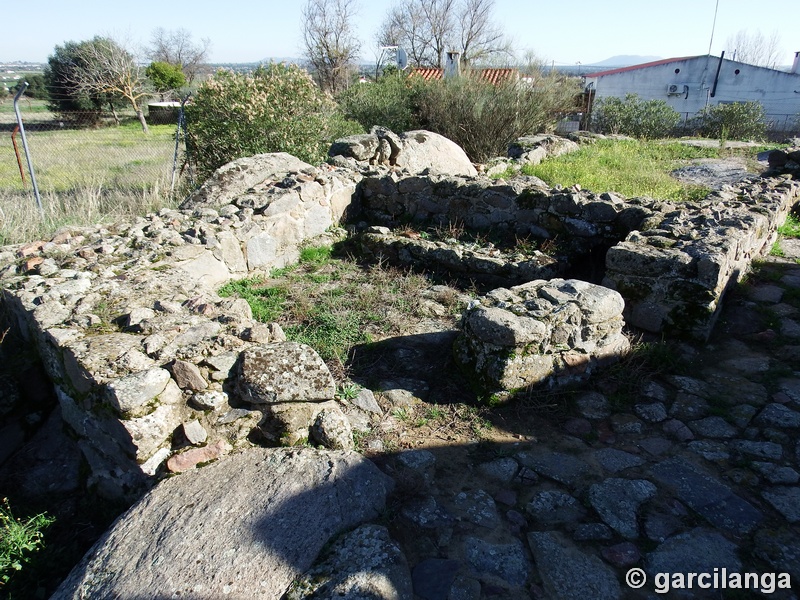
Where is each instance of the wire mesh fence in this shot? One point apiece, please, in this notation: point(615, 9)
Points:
point(98, 150)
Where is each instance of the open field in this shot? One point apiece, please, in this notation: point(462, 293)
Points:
point(633, 168)
point(116, 157)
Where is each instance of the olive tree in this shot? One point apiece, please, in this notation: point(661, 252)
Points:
point(106, 68)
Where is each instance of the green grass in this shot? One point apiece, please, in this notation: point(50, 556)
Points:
point(121, 157)
point(267, 303)
point(332, 303)
point(791, 227)
point(628, 167)
point(19, 539)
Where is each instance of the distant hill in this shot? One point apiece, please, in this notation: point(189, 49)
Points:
point(625, 60)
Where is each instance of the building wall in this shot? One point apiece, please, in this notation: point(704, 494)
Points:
point(777, 91)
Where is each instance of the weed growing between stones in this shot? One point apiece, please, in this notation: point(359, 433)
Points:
point(19, 539)
point(622, 381)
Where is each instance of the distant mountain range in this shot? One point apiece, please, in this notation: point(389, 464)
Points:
point(625, 60)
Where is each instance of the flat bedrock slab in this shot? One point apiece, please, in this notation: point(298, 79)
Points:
point(245, 527)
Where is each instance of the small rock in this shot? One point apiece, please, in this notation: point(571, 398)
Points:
point(742, 414)
point(698, 551)
point(500, 469)
point(613, 460)
point(477, 507)
point(767, 450)
point(622, 555)
point(553, 507)
point(561, 467)
point(713, 451)
point(191, 458)
point(587, 532)
point(569, 573)
point(593, 405)
point(776, 474)
point(652, 413)
point(778, 415)
point(194, 432)
point(332, 429)
point(210, 400)
point(655, 446)
point(713, 427)
point(504, 561)
point(625, 423)
point(617, 502)
point(786, 500)
point(678, 430)
point(366, 401)
point(688, 406)
point(187, 375)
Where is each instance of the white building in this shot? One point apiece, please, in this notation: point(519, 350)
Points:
point(691, 83)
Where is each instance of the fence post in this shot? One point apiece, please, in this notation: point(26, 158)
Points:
point(177, 140)
point(21, 91)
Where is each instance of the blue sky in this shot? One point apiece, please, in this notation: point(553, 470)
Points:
point(565, 32)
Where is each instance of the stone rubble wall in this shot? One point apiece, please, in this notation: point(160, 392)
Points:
point(672, 262)
point(542, 333)
point(478, 263)
point(147, 358)
point(148, 361)
point(674, 270)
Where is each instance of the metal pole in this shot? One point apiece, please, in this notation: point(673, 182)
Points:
point(25, 146)
point(177, 140)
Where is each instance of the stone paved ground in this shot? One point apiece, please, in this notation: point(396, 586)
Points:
point(697, 470)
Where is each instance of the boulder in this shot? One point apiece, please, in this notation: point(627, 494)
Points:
point(237, 177)
point(245, 527)
point(415, 151)
point(284, 372)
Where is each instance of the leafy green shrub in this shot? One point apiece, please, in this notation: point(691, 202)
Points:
point(644, 119)
point(484, 118)
point(389, 103)
point(165, 76)
point(735, 121)
point(277, 108)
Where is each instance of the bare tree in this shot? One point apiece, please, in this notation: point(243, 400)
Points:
point(428, 29)
point(177, 47)
point(481, 38)
point(105, 68)
point(755, 48)
point(407, 26)
point(331, 44)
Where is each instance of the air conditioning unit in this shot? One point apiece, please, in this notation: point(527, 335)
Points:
point(677, 89)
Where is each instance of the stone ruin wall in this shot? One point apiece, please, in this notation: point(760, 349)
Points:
point(144, 352)
point(671, 262)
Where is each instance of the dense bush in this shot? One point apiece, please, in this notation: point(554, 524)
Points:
point(643, 119)
point(736, 121)
point(484, 118)
point(277, 108)
point(391, 103)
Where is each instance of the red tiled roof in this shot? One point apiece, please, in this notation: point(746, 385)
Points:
point(496, 76)
point(655, 63)
point(427, 73)
point(493, 76)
